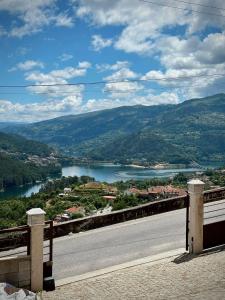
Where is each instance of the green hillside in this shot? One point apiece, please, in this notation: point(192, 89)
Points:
point(141, 146)
point(14, 143)
point(24, 161)
point(192, 130)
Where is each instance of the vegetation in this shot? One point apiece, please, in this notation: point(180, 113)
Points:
point(13, 212)
point(191, 131)
point(12, 143)
point(23, 161)
point(15, 172)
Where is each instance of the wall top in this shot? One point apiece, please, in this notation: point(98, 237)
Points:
point(35, 212)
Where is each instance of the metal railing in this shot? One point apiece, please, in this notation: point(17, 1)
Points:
point(48, 237)
point(13, 238)
point(214, 210)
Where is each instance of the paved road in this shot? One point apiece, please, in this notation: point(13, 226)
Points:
point(112, 245)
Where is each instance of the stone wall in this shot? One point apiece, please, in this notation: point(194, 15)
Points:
point(16, 271)
point(140, 211)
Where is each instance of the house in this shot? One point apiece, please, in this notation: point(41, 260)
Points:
point(110, 190)
point(67, 190)
point(68, 214)
point(132, 191)
point(75, 209)
point(156, 192)
point(61, 218)
point(160, 192)
point(61, 195)
point(109, 198)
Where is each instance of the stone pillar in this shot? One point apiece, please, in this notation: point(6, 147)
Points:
point(195, 236)
point(36, 221)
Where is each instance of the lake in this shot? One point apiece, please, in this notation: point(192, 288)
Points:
point(101, 172)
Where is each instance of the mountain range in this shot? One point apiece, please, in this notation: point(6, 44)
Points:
point(190, 131)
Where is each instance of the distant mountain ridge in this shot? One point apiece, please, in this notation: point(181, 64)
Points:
point(192, 130)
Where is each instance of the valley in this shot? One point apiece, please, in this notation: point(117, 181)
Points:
point(186, 133)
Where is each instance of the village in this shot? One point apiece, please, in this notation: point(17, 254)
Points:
point(109, 194)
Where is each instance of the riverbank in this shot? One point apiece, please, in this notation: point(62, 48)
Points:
point(101, 172)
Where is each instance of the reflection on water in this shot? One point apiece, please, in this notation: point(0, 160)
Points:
point(101, 172)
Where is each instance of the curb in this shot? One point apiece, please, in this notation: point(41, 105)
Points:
point(152, 260)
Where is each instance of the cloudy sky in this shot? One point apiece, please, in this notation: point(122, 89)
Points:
point(121, 52)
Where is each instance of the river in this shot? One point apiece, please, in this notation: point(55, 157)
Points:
point(101, 172)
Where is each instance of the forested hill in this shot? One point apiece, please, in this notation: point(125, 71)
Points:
point(192, 130)
point(17, 144)
point(24, 161)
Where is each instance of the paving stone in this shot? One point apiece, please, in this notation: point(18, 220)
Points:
point(190, 277)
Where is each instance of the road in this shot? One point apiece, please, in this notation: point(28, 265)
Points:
point(112, 245)
point(120, 243)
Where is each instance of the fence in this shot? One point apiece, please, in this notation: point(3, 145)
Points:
point(15, 264)
point(13, 238)
point(214, 218)
point(206, 221)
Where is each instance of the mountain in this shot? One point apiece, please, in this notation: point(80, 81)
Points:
point(14, 143)
point(192, 130)
point(139, 146)
point(70, 130)
point(8, 124)
point(24, 161)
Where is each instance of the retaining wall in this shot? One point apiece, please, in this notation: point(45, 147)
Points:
point(16, 271)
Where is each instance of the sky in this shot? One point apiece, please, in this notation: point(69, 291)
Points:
point(61, 57)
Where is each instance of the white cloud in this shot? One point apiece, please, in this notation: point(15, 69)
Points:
point(150, 99)
point(142, 22)
point(63, 20)
point(114, 67)
point(98, 42)
point(121, 74)
point(33, 16)
point(84, 65)
point(122, 89)
point(28, 65)
point(146, 30)
point(65, 57)
point(59, 100)
point(39, 110)
point(59, 75)
point(194, 61)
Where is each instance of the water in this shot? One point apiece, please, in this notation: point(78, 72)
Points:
point(101, 172)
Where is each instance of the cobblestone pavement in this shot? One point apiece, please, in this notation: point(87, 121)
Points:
point(185, 277)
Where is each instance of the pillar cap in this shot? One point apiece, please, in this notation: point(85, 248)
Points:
point(35, 211)
point(196, 182)
point(36, 216)
point(195, 186)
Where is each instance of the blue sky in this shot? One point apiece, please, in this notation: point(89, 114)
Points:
point(144, 53)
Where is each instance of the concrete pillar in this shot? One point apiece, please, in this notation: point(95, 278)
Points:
point(195, 237)
point(36, 221)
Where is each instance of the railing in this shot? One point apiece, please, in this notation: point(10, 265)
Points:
point(13, 238)
point(18, 237)
point(214, 195)
point(48, 237)
point(214, 211)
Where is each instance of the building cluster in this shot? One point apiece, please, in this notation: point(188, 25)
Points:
point(42, 161)
point(109, 193)
point(156, 192)
point(69, 213)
